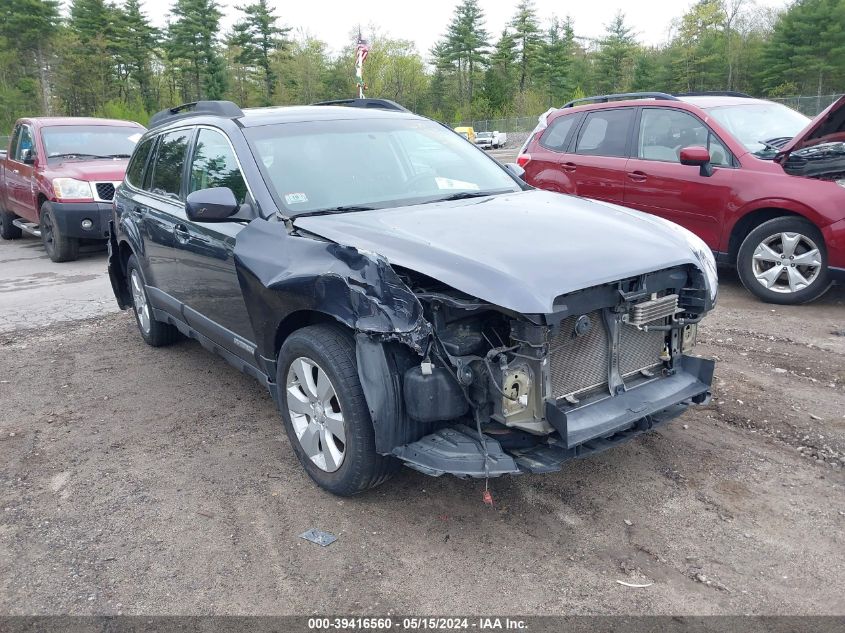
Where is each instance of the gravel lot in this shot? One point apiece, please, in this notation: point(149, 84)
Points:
point(143, 481)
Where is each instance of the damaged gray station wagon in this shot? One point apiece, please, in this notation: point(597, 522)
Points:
point(404, 297)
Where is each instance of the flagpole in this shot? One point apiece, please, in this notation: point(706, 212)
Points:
point(361, 51)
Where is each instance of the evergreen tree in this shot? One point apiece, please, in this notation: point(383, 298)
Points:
point(258, 37)
point(614, 61)
point(526, 33)
point(500, 78)
point(466, 45)
point(192, 49)
point(135, 44)
point(555, 61)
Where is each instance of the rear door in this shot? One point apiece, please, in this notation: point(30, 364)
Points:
point(213, 299)
point(548, 155)
point(659, 184)
point(163, 220)
point(595, 165)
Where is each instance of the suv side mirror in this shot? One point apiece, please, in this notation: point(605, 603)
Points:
point(216, 204)
point(515, 169)
point(696, 156)
point(28, 156)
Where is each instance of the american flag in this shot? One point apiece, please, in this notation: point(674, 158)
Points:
point(361, 51)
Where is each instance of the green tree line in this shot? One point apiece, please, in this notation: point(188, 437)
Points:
point(105, 58)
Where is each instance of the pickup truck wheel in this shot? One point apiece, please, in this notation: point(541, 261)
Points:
point(8, 231)
point(784, 261)
point(325, 413)
point(155, 333)
point(59, 247)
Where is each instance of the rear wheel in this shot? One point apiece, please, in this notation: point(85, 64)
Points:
point(784, 261)
point(325, 414)
point(155, 333)
point(59, 247)
point(8, 231)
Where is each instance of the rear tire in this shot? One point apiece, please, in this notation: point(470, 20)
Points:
point(784, 261)
point(59, 247)
point(325, 413)
point(155, 333)
point(9, 231)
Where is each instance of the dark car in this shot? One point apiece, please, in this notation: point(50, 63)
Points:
point(58, 179)
point(405, 298)
point(760, 183)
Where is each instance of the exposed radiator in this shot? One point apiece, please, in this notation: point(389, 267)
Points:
point(579, 363)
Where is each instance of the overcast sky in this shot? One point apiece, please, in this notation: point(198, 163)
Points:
point(424, 21)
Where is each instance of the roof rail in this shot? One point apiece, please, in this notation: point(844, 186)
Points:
point(218, 108)
point(624, 95)
point(379, 104)
point(716, 93)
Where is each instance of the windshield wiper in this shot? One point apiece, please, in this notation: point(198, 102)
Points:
point(466, 195)
point(332, 210)
point(73, 155)
point(115, 156)
point(776, 143)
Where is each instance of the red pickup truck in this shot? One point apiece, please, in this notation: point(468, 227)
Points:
point(57, 179)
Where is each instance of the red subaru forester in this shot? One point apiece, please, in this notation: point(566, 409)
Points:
point(760, 183)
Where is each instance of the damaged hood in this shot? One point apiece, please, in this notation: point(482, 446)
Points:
point(518, 251)
point(829, 126)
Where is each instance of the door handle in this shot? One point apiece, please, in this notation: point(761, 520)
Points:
point(138, 212)
point(181, 233)
point(570, 167)
point(15, 171)
point(637, 176)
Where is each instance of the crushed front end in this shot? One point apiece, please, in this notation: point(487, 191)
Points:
point(509, 393)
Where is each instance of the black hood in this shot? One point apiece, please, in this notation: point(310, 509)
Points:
point(519, 251)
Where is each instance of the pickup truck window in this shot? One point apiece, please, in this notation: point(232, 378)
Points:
point(135, 171)
point(215, 165)
point(169, 162)
point(24, 142)
point(62, 142)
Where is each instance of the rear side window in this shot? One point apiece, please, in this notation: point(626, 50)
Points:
point(169, 163)
point(214, 165)
point(605, 133)
point(555, 137)
point(135, 171)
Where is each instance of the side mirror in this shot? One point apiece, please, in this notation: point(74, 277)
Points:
point(216, 204)
point(515, 169)
point(696, 156)
point(28, 156)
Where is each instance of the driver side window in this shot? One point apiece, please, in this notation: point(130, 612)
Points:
point(24, 142)
point(665, 132)
point(214, 165)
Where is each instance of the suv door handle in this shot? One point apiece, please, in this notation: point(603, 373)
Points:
point(570, 167)
point(181, 233)
point(637, 176)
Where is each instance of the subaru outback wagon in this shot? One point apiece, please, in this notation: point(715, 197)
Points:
point(760, 183)
point(404, 297)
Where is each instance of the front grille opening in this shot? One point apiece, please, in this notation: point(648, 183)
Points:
point(105, 190)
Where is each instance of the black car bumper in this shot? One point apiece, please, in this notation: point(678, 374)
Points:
point(70, 217)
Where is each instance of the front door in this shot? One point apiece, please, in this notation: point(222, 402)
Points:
point(19, 175)
point(214, 302)
point(659, 184)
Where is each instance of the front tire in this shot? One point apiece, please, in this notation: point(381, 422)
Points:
point(59, 247)
point(9, 231)
point(155, 333)
point(784, 261)
point(325, 413)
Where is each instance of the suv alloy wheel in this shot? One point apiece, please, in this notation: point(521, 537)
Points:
point(784, 261)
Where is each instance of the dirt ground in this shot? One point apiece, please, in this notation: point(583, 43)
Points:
point(159, 481)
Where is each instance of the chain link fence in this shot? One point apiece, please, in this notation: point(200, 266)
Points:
point(811, 106)
point(520, 127)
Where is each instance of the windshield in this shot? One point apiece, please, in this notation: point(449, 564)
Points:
point(761, 127)
point(90, 141)
point(484, 135)
point(370, 163)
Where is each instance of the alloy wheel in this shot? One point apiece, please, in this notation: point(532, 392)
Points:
point(315, 414)
point(786, 262)
point(139, 300)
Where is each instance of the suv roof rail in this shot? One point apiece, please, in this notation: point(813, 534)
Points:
point(379, 104)
point(715, 93)
point(664, 96)
point(218, 108)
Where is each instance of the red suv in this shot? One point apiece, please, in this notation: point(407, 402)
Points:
point(760, 183)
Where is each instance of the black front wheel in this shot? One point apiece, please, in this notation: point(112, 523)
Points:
point(59, 247)
point(325, 413)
